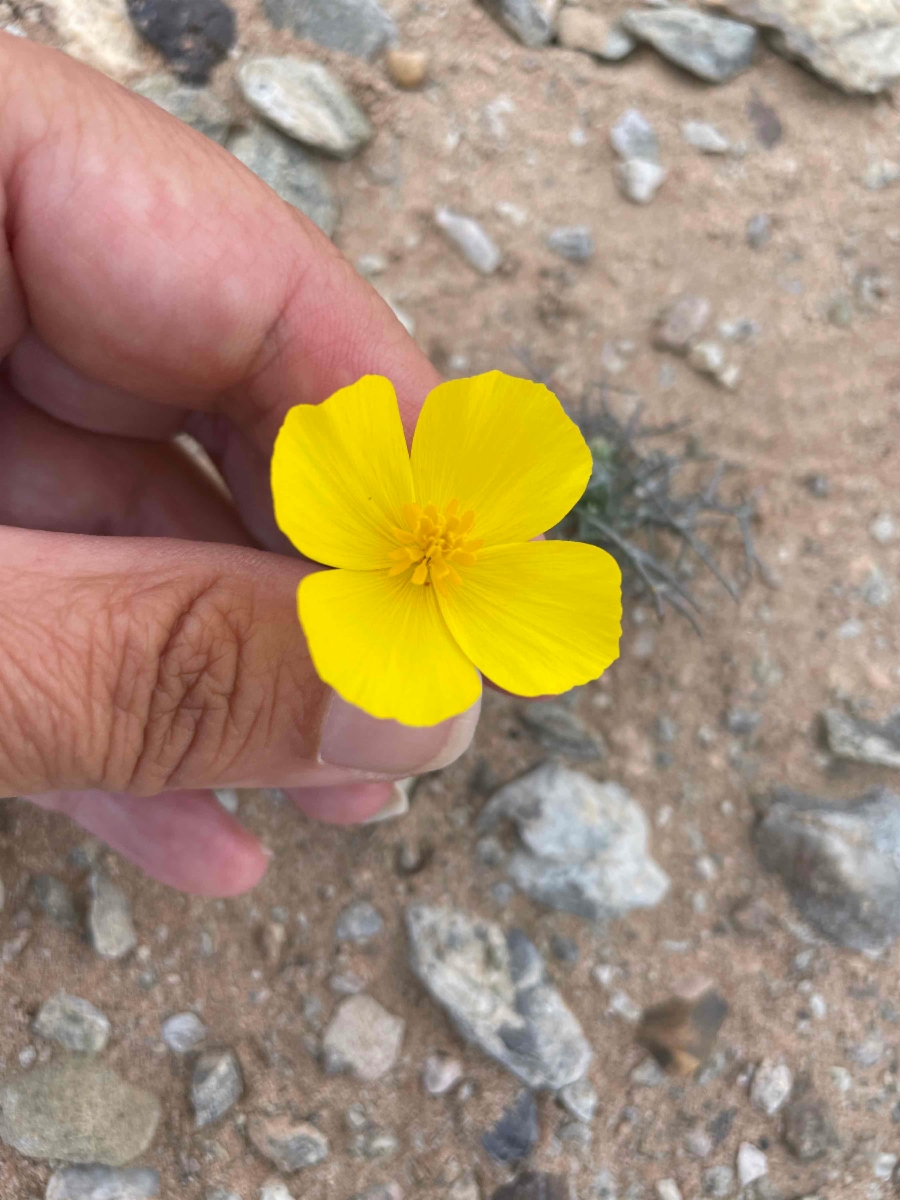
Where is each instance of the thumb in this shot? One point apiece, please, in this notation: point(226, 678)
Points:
point(143, 666)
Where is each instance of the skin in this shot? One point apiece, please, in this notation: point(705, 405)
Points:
point(149, 644)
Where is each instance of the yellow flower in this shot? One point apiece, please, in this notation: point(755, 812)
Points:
point(438, 578)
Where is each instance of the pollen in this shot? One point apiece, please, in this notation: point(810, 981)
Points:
point(434, 544)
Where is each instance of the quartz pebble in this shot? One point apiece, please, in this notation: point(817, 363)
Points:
point(476, 247)
point(752, 1163)
point(103, 1183)
point(594, 33)
point(441, 1074)
point(363, 1038)
point(705, 137)
point(183, 1032)
point(772, 1083)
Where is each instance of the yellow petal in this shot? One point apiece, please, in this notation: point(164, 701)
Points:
point(504, 448)
point(538, 618)
point(341, 476)
point(383, 645)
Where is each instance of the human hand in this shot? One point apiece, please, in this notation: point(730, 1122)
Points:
point(150, 284)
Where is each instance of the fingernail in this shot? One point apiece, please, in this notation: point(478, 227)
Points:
point(351, 738)
point(397, 806)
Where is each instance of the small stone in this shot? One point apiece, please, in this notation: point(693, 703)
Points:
point(79, 1111)
point(476, 247)
point(192, 35)
point(97, 32)
point(74, 1023)
point(648, 1074)
point(772, 1083)
point(883, 529)
point(864, 741)
point(575, 243)
point(639, 180)
point(705, 137)
point(204, 111)
point(358, 27)
point(684, 320)
point(289, 1145)
point(109, 919)
point(489, 851)
point(103, 1183)
point(407, 68)
point(374, 1143)
point(533, 22)
point(751, 1163)
point(381, 1191)
point(535, 1185)
point(604, 1186)
point(358, 923)
point(718, 1182)
point(363, 1038)
point(579, 1099)
point(50, 896)
point(759, 231)
point(632, 136)
point(216, 1085)
point(272, 1189)
point(880, 173)
point(883, 1165)
point(712, 48)
point(668, 1189)
point(808, 1131)
point(580, 29)
point(680, 1032)
point(565, 949)
point(441, 1074)
point(183, 1032)
point(559, 730)
point(290, 171)
point(699, 1143)
point(515, 1134)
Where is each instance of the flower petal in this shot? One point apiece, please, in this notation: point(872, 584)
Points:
point(503, 447)
point(383, 645)
point(539, 618)
point(341, 475)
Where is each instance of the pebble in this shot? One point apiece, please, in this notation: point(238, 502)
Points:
point(494, 988)
point(718, 1182)
point(881, 173)
point(358, 923)
point(859, 740)
point(680, 1032)
point(575, 243)
point(441, 1074)
point(883, 1165)
point(632, 136)
point(290, 171)
point(683, 321)
point(77, 1110)
point(192, 35)
point(708, 358)
point(515, 1134)
point(381, 1191)
point(759, 231)
point(183, 1032)
point(594, 33)
point(712, 48)
point(808, 1131)
point(304, 100)
point(648, 1074)
point(204, 111)
point(604, 1186)
point(752, 1163)
point(216, 1085)
point(533, 22)
point(580, 1100)
point(883, 529)
point(558, 729)
point(358, 27)
point(103, 1183)
point(109, 919)
point(407, 68)
point(535, 1185)
point(489, 851)
point(52, 897)
point(273, 1189)
point(289, 1145)
point(639, 181)
point(705, 137)
point(771, 1086)
point(840, 862)
point(668, 1189)
point(73, 1023)
point(476, 246)
point(584, 843)
point(363, 1038)
point(99, 33)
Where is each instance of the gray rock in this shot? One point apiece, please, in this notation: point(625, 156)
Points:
point(476, 246)
point(103, 1183)
point(579, 1099)
point(759, 231)
point(50, 896)
point(363, 1038)
point(272, 1189)
point(712, 48)
point(863, 741)
point(876, 589)
point(515, 1134)
point(880, 173)
point(574, 242)
point(183, 1032)
point(216, 1085)
point(632, 136)
point(585, 843)
point(705, 137)
point(289, 1145)
point(808, 1130)
point(559, 730)
point(639, 181)
point(288, 170)
point(718, 1182)
point(752, 1163)
point(304, 100)
point(683, 321)
point(72, 1022)
point(109, 919)
point(192, 35)
point(198, 107)
point(358, 27)
point(772, 1083)
point(358, 922)
point(840, 862)
point(495, 991)
point(855, 46)
point(533, 22)
point(580, 29)
point(79, 1111)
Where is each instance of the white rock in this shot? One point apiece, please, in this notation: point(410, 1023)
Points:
point(440, 1074)
point(73, 1023)
point(632, 136)
point(772, 1083)
point(640, 180)
point(705, 137)
point(274, 1189)
point(668, 1189)
point(183, 1032)
point(476, 246)
point(580, 1099)
point(99, 32)
point(751, 1163)
point(883, 529)
point(363, 1038)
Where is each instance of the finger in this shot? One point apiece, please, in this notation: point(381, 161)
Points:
point(144, 666)
point(184, 839)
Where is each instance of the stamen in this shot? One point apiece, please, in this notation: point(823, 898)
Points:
point(432, 541)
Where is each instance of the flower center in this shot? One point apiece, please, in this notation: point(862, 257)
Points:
point(433, 542)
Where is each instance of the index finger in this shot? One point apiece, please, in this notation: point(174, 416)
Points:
point(151, 260)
